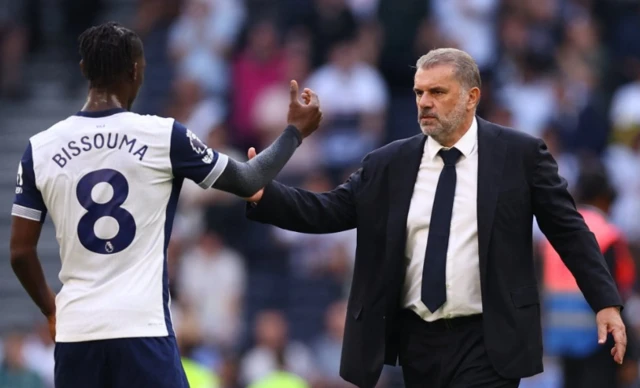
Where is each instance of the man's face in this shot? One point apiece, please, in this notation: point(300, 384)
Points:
point(442, 102)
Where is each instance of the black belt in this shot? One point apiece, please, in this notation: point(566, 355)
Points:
point(443, 324)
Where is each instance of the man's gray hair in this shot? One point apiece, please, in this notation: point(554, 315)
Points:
point(466, 69)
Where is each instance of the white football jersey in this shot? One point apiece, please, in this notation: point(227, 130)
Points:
point(110, 181)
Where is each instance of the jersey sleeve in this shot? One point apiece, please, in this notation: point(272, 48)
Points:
point(28, 202)
point(192, 159)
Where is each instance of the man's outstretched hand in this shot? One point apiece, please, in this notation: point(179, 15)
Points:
point(257, 196)
point(610, 321)
point(306, 115)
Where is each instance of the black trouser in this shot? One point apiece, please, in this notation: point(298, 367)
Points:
point(447, 354)
point(594, 371)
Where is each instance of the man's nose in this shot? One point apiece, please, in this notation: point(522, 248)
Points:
point(425, 101)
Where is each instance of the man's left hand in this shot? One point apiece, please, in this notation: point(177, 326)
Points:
point(610, 321)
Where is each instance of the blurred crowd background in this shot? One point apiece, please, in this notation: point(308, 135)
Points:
point(249, 299)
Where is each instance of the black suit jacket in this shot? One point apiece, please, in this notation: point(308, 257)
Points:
point(517, 179)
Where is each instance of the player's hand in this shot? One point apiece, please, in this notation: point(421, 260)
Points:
point(304, 116)
point(610, 321)
point(257, 196)
point(51, 320)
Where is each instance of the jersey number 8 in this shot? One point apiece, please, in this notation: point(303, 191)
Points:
point(111, 208)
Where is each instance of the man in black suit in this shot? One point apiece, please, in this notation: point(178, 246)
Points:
point(444, 277)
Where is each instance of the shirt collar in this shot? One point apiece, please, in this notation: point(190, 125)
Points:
point(466, 145)
point(100, 113)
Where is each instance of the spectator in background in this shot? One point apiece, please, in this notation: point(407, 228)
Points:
point(327, 349)
point(564, 122)
point(580, 54)
point(202, 39)
point(406, 34)
point(355, 99)
point(368, 42)
point(77, 15)
point(363, 10)
point(212, 283)
point(403, 24)
point(38, 353)
point(528, 94)
point(229, 371)
point(544, 21)
point(471, 25)
point(581, 60)
point(500, 115)
point(260, 64)
point(624, 113)
point(13, 48)
point(154, 19)
point(622, 157)
point(280, 378)
point(624, 44)
point(192, 106)
point(570, 325)
point(522, 79)
point(189, 339)
point(271, 333)
point(269, 110)
point(14, 373)
point(329, 22)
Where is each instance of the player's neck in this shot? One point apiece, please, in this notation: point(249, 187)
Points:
point(101, 99)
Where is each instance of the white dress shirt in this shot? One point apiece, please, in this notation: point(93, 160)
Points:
point(463, 271)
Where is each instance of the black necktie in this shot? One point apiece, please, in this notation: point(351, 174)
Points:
point(434, 291)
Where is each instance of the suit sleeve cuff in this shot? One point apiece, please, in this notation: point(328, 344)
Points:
point(258, 211)
point(610, 302)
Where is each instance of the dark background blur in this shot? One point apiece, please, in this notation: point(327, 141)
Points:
point(564, 70)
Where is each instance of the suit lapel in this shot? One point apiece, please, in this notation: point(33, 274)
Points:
point(403, 170)
point(491, 155)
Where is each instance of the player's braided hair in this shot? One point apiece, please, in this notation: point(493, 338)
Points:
point(108, 52)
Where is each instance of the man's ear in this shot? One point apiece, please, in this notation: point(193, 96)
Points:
point(474, 98)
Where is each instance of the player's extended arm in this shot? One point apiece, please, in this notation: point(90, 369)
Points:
point(24, 261)
point(307, 212)
point(246, 178)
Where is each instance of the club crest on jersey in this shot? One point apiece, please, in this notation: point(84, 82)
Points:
point(197, 144)
point(108, 247)
point(19, 180)
point(199, 147)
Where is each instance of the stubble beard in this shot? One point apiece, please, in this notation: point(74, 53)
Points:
point(444, 128)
